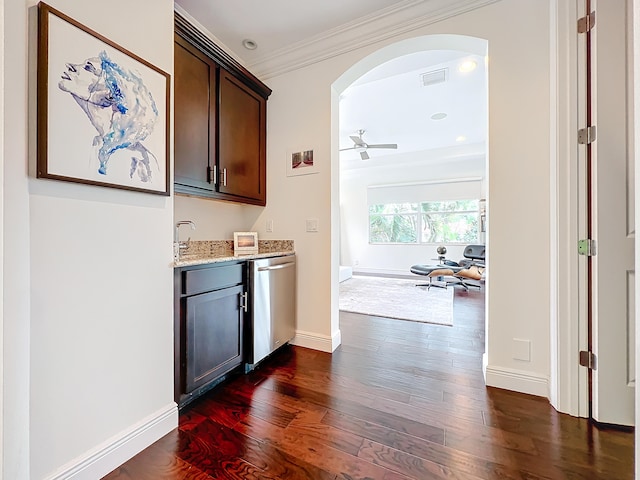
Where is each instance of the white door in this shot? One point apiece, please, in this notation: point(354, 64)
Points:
point(613, 227)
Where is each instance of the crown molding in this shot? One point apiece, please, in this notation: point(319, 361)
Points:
point(193, 37)
point(387, 23)
point(206, 33)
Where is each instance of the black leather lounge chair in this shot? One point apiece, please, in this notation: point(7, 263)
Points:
point(448, 272)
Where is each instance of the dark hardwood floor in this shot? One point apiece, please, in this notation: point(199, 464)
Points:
point(397, 400)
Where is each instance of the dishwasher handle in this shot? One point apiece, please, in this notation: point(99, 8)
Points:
point(276, 267)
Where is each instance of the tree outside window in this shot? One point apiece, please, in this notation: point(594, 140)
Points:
point(455, 221)
point(393, 223)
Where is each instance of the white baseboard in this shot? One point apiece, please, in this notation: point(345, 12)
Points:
point(485, 362)
point(317, 341)
point(344, 273)
point(117, 450)
point(336, 339)
point(382, 271)
point(517, 380)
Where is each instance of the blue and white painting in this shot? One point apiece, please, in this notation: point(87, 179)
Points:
point(118, 105)
point(107, 120)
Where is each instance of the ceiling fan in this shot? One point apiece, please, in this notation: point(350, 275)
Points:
point(361, 146)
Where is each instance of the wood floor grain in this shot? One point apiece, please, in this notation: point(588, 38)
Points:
point(397, 400)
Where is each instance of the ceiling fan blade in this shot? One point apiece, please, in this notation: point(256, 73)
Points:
point(350, 148)
point(364, 156)
point(384, 145)
point(356, 140)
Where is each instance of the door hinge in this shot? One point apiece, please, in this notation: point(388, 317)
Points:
point(588, 359)
point(587, 247)
point(587, 135)
point(587, 22)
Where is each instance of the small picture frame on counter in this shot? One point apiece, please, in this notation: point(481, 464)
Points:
point(245, 243)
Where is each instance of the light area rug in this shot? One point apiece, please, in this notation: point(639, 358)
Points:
point(397, 298)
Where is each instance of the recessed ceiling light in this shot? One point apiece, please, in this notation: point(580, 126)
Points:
point(249, 44)
point(461, 138)
point(438, 116)
point(467, 66)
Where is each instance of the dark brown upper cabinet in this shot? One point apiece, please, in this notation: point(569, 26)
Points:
point(195, 117)
point(243, 120)
point(220, 126)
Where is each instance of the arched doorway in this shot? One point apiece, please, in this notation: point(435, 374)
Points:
point(389, 56)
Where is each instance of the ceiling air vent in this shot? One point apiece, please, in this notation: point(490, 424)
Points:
point(434, 77)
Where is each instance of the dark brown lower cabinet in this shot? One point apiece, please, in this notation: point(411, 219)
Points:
point(209, 326)
point(213, 335)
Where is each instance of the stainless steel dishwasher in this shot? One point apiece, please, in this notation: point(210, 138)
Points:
point(272, 286)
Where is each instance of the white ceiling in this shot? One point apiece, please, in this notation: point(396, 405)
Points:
point(277, 24)
point(389, 102)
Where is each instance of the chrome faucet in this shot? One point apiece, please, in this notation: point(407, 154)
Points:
point(177, 244)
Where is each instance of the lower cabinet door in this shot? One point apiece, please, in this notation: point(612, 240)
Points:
point(213, 335)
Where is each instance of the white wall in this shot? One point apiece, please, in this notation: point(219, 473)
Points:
point(356, 251)
point(518, 215)
point(293, 200)
point(300, 111)
point(214, 219)
point(298, 116)
point(16, 260)
point(89, 341)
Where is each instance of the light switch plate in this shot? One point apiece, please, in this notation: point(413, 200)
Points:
point(269, 225)
point(312, 224)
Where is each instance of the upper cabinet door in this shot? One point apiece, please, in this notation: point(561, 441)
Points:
point(195, 117)
point(242, 142)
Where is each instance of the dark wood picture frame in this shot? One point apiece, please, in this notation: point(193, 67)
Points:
point(103, 121)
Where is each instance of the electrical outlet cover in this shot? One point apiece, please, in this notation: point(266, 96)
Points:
point(312, 224)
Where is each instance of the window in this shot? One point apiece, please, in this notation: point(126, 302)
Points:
point(454, 221)
point(394, 223)
point(450, 222)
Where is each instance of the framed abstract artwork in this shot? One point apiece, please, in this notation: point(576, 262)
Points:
point(103, 112)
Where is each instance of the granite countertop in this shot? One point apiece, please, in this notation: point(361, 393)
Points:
point(216, 251)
